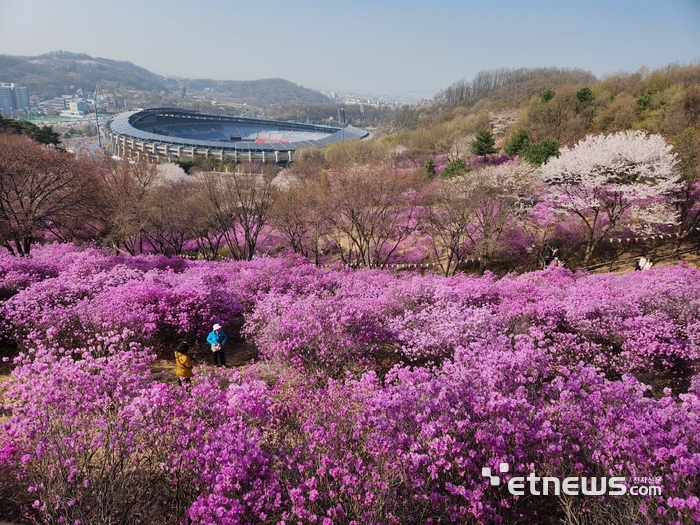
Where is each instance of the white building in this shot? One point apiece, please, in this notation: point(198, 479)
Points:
point(77, 108)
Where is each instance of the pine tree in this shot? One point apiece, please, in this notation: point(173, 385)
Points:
point(517, 143)
point(454, 168)
point(540, 152)
point(483, 143)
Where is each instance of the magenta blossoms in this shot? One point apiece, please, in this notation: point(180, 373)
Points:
point(376, 399)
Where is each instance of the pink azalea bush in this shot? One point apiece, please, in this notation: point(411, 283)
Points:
point(378, 399)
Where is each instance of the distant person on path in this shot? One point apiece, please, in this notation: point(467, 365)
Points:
point(550, 257)
point(217, 338)
point(183, 364)
point(640, 263)
point(547, 259)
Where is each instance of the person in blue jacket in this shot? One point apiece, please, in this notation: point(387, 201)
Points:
point(217, 338)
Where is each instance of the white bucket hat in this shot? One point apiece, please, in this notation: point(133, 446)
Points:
point(217, 326)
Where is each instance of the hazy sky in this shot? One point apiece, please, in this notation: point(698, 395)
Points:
point(366, 46)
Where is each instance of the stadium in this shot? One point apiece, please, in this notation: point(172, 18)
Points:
point(170, 134)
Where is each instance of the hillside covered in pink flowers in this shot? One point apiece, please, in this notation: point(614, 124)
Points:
point(377, 397)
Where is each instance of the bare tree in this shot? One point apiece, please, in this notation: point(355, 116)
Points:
point(686, 147)
point(372, 210)
point(168, 216)
point(297, 213)
point(448, 215)
point(460, 148)
point(128, 187)
point(39, 186)
point(497, 194)
point(202, 224)
point(239, 203)
point(467, 215)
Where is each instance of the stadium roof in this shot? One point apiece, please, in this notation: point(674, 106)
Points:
point(188, 128)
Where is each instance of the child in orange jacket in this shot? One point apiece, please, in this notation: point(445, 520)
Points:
point(183, 364)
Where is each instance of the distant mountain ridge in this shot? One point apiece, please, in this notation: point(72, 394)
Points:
point(61, 73)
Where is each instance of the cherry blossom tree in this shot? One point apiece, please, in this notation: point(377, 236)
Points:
point(605, 177)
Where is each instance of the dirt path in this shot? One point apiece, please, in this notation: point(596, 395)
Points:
point(238, 354)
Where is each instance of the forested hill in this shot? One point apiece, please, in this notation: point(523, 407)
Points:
point(259, 93)
point(513, 85)
point(60, 73)
point(562, 105)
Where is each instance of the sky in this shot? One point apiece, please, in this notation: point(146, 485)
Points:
point(380, 47)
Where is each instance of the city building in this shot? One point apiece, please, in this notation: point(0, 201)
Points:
point(22, 97)
point(7, 104)
point(13, 98)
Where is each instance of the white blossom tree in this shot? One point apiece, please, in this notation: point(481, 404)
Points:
point(604, 177)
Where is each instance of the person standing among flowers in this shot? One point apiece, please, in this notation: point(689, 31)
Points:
point(217, 338)
point(183, 364)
